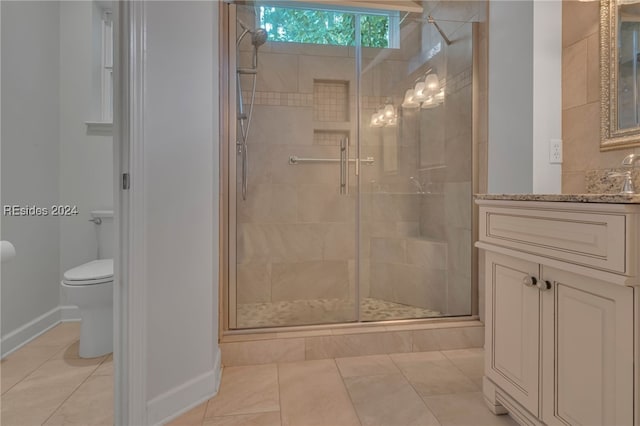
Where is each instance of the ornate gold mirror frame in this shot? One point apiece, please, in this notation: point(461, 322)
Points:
point(611, 136)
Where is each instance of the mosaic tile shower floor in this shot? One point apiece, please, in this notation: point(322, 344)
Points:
point(321, 311)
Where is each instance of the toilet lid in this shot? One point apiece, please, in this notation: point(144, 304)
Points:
point(95, 270)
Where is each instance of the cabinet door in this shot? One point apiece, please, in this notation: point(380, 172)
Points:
point(587, 343)
point(512, 328)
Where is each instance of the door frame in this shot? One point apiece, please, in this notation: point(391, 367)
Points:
point(130, 347)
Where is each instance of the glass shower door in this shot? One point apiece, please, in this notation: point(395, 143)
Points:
point(295, 188)
point(416, 202)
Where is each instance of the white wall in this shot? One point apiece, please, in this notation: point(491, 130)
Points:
point(525, 74)
point(510, 97)
point(181, 202)
point(49, 81)
point(86, 161)
point(30, 152)
point(547, 93)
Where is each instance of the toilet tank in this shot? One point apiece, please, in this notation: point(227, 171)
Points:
point(106, 233)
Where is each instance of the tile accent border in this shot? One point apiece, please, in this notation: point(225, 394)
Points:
point(291, 346)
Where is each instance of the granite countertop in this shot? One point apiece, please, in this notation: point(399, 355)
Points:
point(572, 198)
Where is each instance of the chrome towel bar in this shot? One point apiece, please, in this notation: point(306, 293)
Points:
point(294, 160)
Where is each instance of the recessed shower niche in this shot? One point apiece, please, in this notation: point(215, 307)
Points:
point(331, 101)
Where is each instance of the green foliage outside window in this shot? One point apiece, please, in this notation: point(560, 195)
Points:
point(323, 27)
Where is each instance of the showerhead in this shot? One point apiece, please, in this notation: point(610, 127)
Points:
point(258, 37)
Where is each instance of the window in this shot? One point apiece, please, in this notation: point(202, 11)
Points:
point(321, 26)
point(107, 67)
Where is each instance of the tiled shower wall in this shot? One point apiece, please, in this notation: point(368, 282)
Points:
point(296, 232)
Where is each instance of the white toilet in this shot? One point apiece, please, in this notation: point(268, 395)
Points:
point(90, 287)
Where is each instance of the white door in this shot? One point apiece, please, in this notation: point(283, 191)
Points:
point(513, 327)
point(587, 351)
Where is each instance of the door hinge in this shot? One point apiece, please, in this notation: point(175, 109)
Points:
point(125, 181)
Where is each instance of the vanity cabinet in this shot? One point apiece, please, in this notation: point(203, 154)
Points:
point(561, 311)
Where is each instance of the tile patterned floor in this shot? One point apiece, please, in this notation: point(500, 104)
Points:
point(414, 389)
point(318, 311)
point(45, 383)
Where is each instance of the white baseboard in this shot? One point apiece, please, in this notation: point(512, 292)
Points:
point(69, 313)
point(21, 336)
point(183, 398)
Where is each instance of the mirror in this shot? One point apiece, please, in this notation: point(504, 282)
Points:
point(620, 73)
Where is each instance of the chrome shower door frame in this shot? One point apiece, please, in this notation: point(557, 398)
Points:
point(229, 314)
point(229, 134)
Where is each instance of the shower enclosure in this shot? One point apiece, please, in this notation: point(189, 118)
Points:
point(350, 199)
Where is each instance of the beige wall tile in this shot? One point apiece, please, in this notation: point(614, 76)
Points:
point(339, 241)
point(313, 394)
point(253, 282)
point(425, 340)
point(593, 68)
point(581, 134)
point(262, 351)
point(324, 203)
point(459, 250)
point(321, 68)
point(573, 183)
point(366, 366)
point(458, 293)
point(613, 159)
point(282, 242)
point(426, 253)
point(574, 75)
point(310, 280)
point(278, 72)
point(460, 338)
point(281, 125)
point(388, 400)
point(458, 204)
point(409, 285)
point(579, 20)
point(448, 338)
point(269, 203)
point(246, 390)
point(388, 250)
point(357, 344)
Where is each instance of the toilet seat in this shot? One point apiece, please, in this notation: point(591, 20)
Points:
point(95, 272)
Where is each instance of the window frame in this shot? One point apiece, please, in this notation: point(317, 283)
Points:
point(393, 17)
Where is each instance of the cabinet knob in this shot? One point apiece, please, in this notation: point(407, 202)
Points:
point(544, 285)
point(529, 281)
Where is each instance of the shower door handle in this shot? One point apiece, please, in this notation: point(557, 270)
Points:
point(344, 166)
